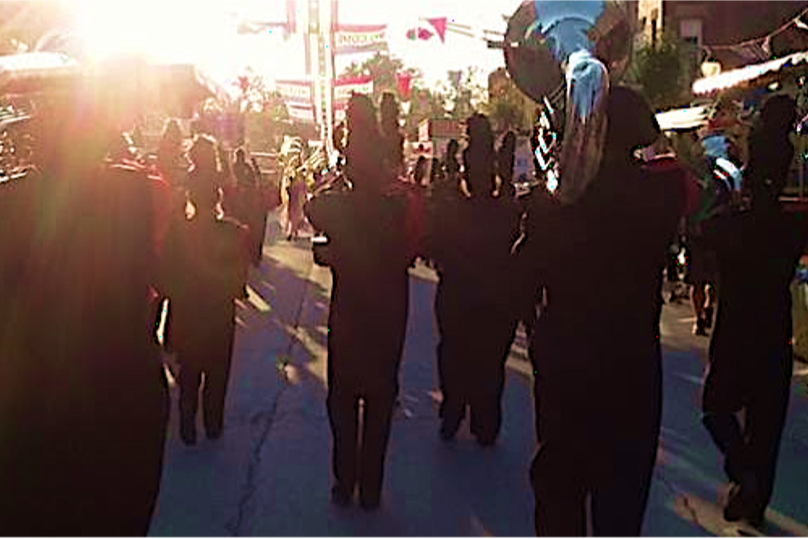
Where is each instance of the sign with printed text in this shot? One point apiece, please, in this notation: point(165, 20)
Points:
point(360, 38)
point(294, 91)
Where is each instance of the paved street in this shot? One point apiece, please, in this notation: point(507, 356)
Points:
point(269, 475)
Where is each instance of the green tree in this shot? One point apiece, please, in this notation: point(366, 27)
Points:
point(507, 107)
point(263, 111)
point(425, 103)
point(383, 69)
point(659, 72)
point(464, 94)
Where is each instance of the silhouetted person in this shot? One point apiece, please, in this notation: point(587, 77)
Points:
point(392, 139)
point(298, 196)
point(171, 161)
point(451, 164)
point(368, 255)
point(750, 352)
point(597, 340)
point(505, 160)
point(419, 171)
point(470, 241)
point(251, 208)
point(205, 271)
point(83, 396)
point(436, 174)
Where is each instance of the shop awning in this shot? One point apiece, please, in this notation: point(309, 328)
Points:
point(32, 72)
point(751, 75)
point(174, 88)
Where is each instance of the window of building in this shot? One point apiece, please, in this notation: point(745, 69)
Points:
point(690, 30)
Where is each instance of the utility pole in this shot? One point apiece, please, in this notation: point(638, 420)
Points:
point(321, 60)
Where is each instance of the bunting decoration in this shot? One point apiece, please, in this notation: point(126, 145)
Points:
point(758, 49)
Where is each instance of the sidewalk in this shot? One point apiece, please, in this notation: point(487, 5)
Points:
point(270, 474)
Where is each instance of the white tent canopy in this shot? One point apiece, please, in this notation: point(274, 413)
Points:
point(682, 119)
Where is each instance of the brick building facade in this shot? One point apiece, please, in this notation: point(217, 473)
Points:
point(712, 25)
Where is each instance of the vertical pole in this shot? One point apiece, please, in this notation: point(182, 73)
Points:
point(320, 53)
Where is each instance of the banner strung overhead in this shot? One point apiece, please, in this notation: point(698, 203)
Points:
point(294, 91)
point(350, 38)
point(344, 87)
point(297, 94)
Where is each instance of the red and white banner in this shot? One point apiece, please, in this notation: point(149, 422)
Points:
point(295, 91)
point(300, 111)
point(344, 87)
point(349, 38)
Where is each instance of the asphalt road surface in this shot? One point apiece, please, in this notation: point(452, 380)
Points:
point(270, 473)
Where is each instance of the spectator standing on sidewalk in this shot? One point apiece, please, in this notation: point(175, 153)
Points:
point(205, 270)
point(750, 353)
point(599, 371)
point(369, 254)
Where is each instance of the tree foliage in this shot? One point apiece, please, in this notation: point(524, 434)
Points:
point(266, 117)
point(510, 109)
point(383, 69)
point(659, 72)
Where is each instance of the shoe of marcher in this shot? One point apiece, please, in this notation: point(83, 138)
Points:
point(742, 505)
point(449, 427)
point(369, 502)
point(708, 317)
point(340, 496)
point(700, 328)
point(188, 434)
point(486, 440)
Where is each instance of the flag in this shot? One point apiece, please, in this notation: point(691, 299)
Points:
point(435, 26)
point(439, 24)
point(404, 84)
point(419, 33)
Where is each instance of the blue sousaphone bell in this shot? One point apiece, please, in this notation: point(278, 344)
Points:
point(563, 55)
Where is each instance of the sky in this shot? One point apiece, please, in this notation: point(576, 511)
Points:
point(203, 32)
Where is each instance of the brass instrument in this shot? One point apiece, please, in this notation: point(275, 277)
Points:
point(564, 55)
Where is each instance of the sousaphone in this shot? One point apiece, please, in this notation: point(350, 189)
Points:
point(564, 56)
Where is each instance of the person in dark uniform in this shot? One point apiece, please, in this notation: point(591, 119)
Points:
point(470, 242)
point(597, 341)
point(205, 271)
point(451, 165)
point(392, 138)
point(250, 208)
point(83, 396)
point(750, 353)
point(368, 255)
point(505, 161)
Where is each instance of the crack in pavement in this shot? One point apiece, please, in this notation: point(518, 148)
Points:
point(267, 418)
